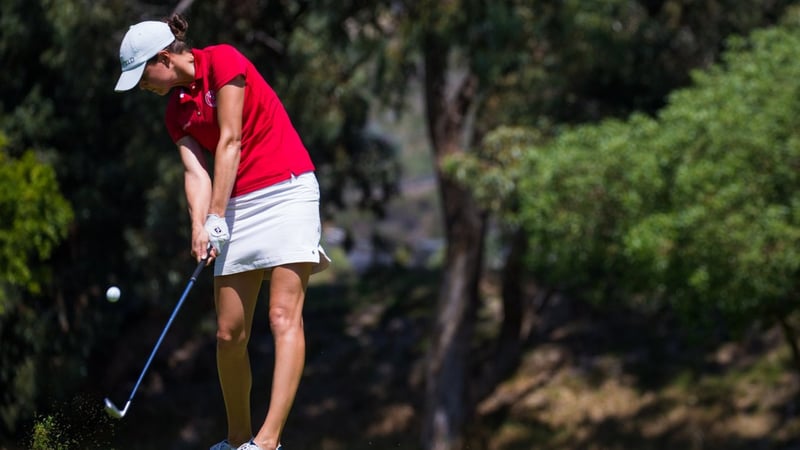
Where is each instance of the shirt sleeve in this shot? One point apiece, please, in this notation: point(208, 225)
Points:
point(226, 64)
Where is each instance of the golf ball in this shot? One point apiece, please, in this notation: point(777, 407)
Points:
point(112, 294)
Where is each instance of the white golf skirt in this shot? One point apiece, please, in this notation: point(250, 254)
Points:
point(273, 226)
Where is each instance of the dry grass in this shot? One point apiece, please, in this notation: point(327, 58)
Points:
point(570, 394)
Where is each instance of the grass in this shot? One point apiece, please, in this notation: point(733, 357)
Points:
point(47, 435)
point(77, 424)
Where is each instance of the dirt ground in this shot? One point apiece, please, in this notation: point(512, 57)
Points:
point(591, 379)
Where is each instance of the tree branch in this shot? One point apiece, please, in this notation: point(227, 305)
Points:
point(182, 6)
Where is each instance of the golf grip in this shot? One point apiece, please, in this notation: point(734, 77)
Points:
point(199, 269)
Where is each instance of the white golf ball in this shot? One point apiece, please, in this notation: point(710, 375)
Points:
point(112, 294)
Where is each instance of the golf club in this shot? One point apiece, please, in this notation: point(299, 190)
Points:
point(111, 409)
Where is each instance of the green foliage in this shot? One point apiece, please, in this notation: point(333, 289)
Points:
point(46, 435)
point(698, 205)
point(495, 170)
point(327, 89)
point(35, 219)
point(585, 60)
point(73, 425)
point(581, 193)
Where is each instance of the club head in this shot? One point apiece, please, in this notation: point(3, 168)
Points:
point(114, 412)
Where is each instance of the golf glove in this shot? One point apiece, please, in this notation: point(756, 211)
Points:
point(217, 230)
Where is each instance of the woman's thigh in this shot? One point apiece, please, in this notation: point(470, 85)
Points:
point(236, 296)
point(287, 291)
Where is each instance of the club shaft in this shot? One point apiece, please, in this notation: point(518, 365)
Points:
point(178, 305)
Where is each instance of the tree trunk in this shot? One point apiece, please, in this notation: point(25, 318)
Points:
point(448, 362)
point(448, 358)
point(791, 339)
point(517, 324)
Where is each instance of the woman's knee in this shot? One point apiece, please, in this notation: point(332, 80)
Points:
point(285, 319)
point(231, 338)
point(287, 295)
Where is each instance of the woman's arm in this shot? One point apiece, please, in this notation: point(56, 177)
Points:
point(230, 102)
point(197, 184)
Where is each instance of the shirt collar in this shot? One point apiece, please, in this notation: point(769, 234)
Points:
point(200, 62)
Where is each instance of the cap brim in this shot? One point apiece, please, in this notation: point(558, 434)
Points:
point(130, 78)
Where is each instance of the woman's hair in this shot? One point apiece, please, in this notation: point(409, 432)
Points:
point(178, 25)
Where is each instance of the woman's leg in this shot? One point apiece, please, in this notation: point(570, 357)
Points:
point(286, 296)
point(236, 297)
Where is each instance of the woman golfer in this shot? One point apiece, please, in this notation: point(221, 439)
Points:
point(260, 214)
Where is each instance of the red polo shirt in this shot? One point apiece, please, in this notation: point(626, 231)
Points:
point(271, 150)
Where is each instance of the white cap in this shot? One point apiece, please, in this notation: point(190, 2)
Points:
point(142, 41)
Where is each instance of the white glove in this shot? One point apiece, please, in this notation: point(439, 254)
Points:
point(217, 230)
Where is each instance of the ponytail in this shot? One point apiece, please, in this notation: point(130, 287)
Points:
point(178, 25)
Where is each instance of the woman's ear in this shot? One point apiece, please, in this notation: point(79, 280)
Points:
point(163, 57)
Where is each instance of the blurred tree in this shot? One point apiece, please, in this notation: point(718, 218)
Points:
point(57, 97)
point(35, 219)
point(697, 207)
point(586, 60)
point(539, 64)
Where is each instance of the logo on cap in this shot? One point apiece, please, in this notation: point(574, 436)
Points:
point(127, 62)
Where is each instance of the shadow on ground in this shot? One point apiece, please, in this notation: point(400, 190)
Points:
point(591, 379)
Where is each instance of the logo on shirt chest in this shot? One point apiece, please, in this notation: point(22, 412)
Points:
point(211, 99)
point(195, 112)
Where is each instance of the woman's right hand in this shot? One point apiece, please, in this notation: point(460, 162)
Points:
point(201, 247)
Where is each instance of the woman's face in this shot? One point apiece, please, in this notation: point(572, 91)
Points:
point(159, 75)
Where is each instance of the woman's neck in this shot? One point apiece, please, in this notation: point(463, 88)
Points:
point(184, 67)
